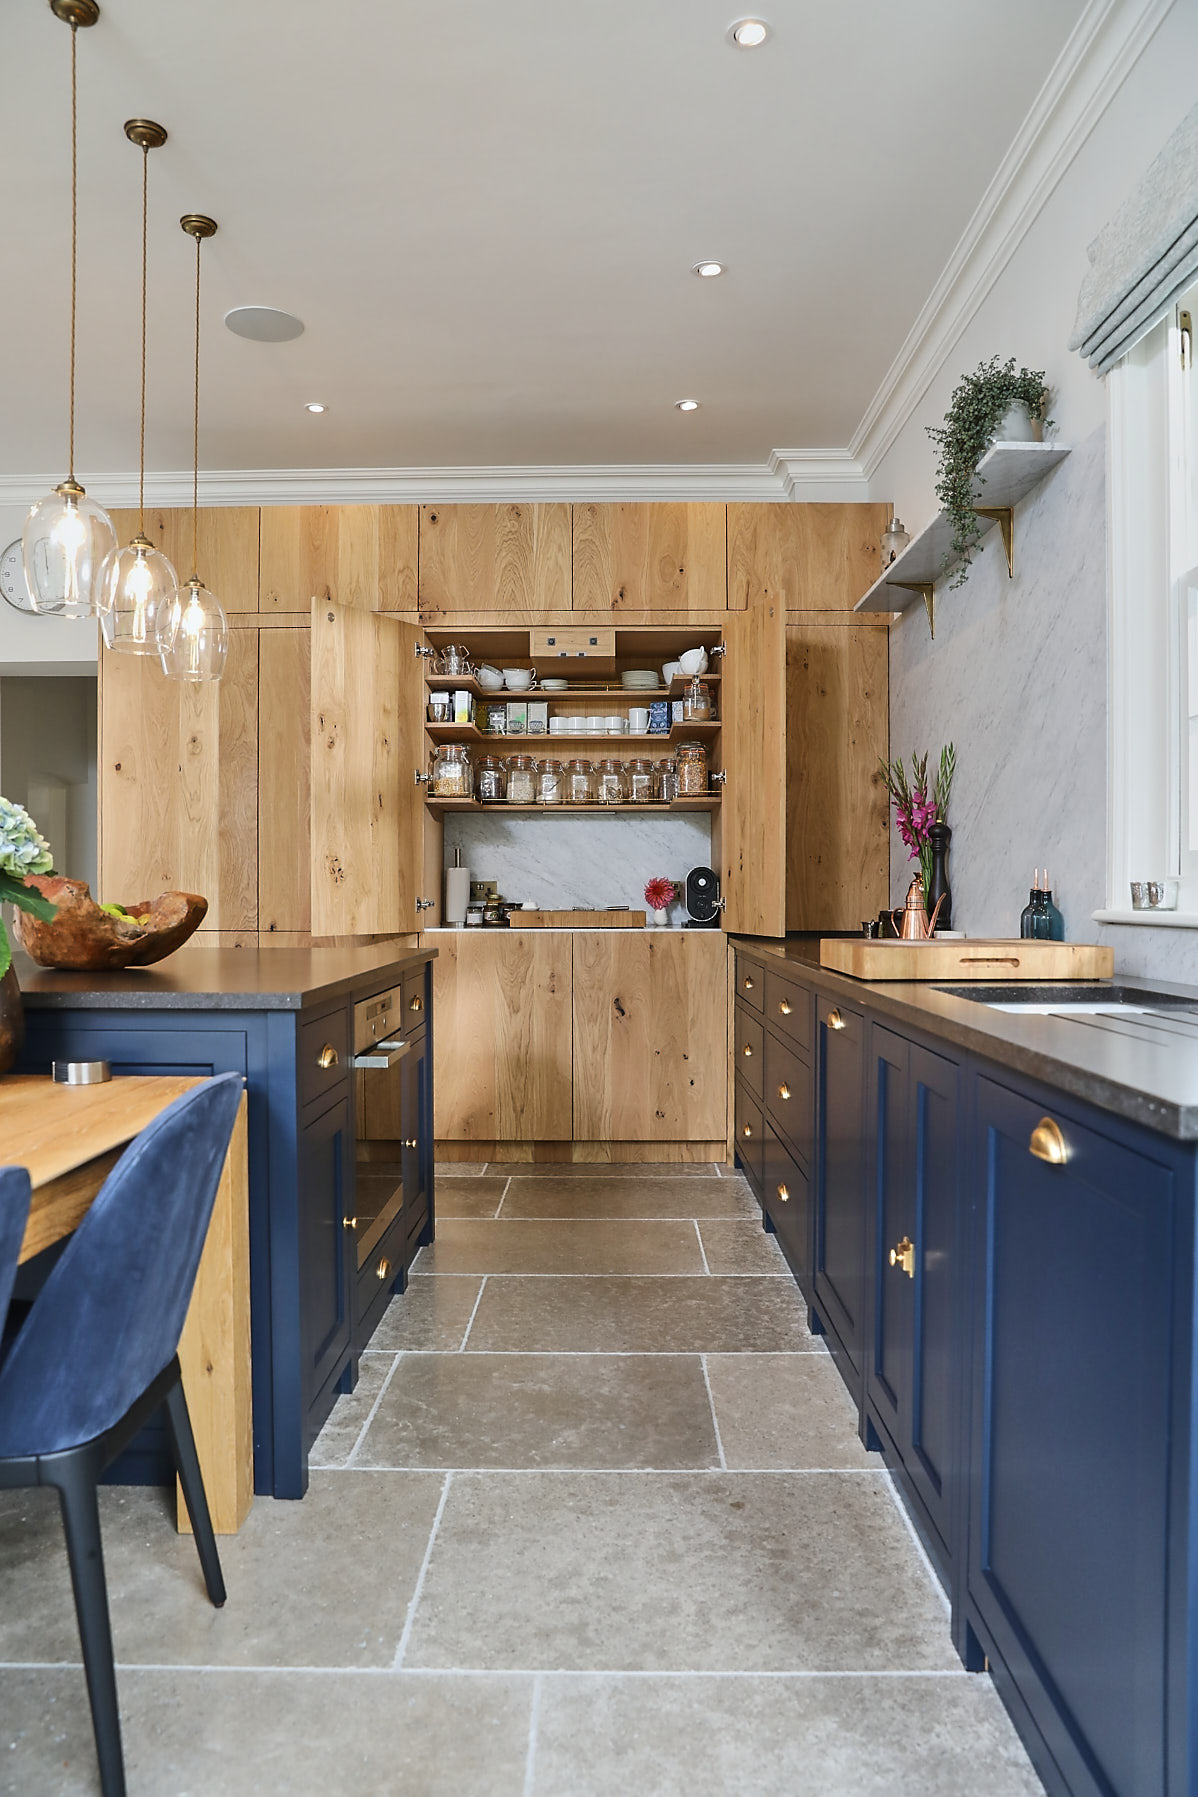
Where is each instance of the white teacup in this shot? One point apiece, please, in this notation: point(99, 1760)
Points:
point(638, 720)
point(670, 672)
point(490, 679)
point(519, 680)
point(693, 662)
point(615, 725)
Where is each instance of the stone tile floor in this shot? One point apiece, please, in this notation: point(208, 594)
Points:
point(595, 1523)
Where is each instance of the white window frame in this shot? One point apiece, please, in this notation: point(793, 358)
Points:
point(1152, 509)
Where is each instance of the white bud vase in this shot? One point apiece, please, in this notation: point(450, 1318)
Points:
point(661, 919)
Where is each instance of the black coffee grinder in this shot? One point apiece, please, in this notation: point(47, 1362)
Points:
point(702, 899)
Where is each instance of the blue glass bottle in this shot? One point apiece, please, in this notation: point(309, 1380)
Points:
point(1040, 920)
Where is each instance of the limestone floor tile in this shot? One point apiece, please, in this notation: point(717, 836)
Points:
point(270, 1734)
point(431, 1315)
point(642, 1316)
point(534, 1410)
point(604, 1169)
point(804, 1737)
point(523, 1246)
point(459, 1169)
point(785, 1410)
point(683, 1197)
point(336, 1440)
point(477, 1196)
point(676, 1571)
point(742, 1247)
point(325, 1582)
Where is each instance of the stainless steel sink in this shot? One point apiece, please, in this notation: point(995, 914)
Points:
point(1077, 1000)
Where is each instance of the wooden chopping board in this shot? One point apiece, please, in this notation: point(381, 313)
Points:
point(577, 920)
point(999, 959)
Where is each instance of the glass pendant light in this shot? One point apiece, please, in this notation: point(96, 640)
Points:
point(193, 633)
point(137, 581)
point(67, 535)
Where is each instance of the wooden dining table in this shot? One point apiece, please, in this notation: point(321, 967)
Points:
point(69, 1138)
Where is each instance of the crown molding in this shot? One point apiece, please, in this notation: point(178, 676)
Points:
point(829, 474)
point(1097, 57)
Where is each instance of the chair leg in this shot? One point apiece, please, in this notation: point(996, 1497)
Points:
point(81, 1525)
point(178, 1423)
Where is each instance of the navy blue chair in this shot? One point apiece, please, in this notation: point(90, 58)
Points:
point(15, 1192)
point(97, 1356)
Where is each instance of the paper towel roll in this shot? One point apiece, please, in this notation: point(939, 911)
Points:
point(457, 892)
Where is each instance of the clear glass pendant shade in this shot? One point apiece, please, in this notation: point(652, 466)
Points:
point(65, 541)
point(136, 584)
point(193, 634)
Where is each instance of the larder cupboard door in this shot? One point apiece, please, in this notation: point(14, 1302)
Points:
point(650, 1036)
point(502, 1042)
point(803, 557)
point(284, 780)
point(513, 559)
point(367, 745)
point(363, 555)
point(179, 784)
point(226, 557)
point(749, 832)
point(633, 558)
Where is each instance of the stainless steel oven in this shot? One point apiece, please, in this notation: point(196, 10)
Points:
point(379, 1054)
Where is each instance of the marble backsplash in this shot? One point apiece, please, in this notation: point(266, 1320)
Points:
point(562, 859)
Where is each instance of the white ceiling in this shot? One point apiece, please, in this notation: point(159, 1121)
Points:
point(486, 212)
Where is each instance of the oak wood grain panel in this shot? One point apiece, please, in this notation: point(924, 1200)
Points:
point(227, 547)
point(749, 830)
point(650, 1036)
point(837, 731)
point(997, 958)
point(819, 557)
point(179, 784)
point(503, 1037)
point(363, 555)
point(584, 1153)
point(513, 559)
point(285, 780)
point(650, 558)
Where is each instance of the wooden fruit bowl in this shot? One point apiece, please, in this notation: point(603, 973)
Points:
point(84, 939)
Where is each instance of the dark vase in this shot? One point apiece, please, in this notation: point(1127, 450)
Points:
point(12, 1021)
point(939, 838)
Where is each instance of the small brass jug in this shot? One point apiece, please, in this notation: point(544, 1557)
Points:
point(915, 926)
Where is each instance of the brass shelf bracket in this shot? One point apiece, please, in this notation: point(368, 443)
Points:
point(1004, 517)
point(927, 592)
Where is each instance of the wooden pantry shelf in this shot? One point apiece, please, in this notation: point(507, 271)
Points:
point(537, 745)
point(707, 802)
point(1007, 473)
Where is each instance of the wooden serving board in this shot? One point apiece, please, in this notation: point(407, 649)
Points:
point(997, 959)
point(577, 920)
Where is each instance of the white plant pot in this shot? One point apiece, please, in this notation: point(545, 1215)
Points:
point(1018, 426)
point(661, 919)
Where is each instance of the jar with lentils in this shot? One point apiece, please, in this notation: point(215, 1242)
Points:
point(692, 770)
point(453, 775)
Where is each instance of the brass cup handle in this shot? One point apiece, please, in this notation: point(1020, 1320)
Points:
point(746, 1130)
point(784, 1090)
point(834, 1020)
point(328, 1056)
point(410, 1143)
point(417, 1004)
point(785, 1006)
point(784, 1194)
point(350, 1222)
point(1048, 1144)
point(904, 1256)
point(747, 1050)
point(748, 982)
point(382, 1270)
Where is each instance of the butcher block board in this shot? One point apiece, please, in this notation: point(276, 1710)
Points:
point(577, 920)
point(996, 959)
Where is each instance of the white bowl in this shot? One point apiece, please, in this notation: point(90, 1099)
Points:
point(554, 686)
point(670, 672)
point(693, 662)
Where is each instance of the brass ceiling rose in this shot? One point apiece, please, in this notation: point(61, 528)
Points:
point(75, 12)
point(145, 134)
point(197, 226)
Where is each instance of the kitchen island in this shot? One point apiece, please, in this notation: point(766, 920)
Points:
point(285, 1019)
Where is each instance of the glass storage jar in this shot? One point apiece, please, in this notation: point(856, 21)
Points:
point(522, 780)
point(491, 781)
point(667, 780)
point(580, 782)
point(453, 775)
point(550, 783)
point(696, 703)
point(692, 770)
point(641, 781)
point(612, 782)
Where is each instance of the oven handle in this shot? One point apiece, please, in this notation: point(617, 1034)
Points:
point(380, 1055)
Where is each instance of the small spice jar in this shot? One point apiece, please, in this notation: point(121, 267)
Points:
point(453, 775)
point(612, 782)
point(491, 782)
point(692, 770)
point(641, 781)
point(580, 782)
point(522, 780)
point(696, 703)
point(667, 780)
point(550, 783)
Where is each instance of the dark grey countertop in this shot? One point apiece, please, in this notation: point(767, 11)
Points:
point(221, 979)
point(1144, 1071)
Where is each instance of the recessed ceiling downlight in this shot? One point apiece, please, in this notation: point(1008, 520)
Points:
point(708, 270)
point(747, 34)
point(264, 324)
point(686, 405)
point(314, 405)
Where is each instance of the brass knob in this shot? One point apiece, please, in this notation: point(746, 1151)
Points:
point(411, 1143)
point(1048, 1144)
point(784, 1090)
point(746, 1130)
point(382, 1270)
point(328, 1056)
point(417, 1004)
point(747, 1050)
point(784, 1005)
point(350, 1222)
point(835, 1020)
point(904, 1256)
point(749, 982)
point(784, 1194)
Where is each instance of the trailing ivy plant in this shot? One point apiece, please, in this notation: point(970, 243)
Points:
point(975, 411)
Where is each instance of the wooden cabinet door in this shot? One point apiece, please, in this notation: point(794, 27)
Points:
point(178, 802)
point(367, 811)
point(227, 547)
point(650, 1036)
point(819, 557)
point(749, 832)
point(501, 1006)
point(633, 558)
point(363, 555)
point(513, 559)
point(285, 780)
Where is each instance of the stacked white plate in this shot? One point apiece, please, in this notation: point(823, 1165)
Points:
point(637, 680)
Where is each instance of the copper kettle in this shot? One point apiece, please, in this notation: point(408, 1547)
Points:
point(915, 926)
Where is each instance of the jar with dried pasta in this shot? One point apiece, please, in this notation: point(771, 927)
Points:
point(692, 770)
point(453, 774)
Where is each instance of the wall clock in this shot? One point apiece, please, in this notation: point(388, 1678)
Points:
point(13, 585)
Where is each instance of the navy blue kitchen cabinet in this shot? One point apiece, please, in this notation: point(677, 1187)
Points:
point(842, 1137)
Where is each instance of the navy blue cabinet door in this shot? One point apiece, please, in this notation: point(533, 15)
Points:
point(841, 1201)
point(417, 1147)
point(325, 1194)
point(1069, 1469)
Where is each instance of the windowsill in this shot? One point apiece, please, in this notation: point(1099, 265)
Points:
point(1152, 920)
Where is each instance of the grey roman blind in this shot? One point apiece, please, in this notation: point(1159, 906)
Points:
point(1144, 257)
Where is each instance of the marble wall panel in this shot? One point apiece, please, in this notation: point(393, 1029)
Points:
point(561, 860)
